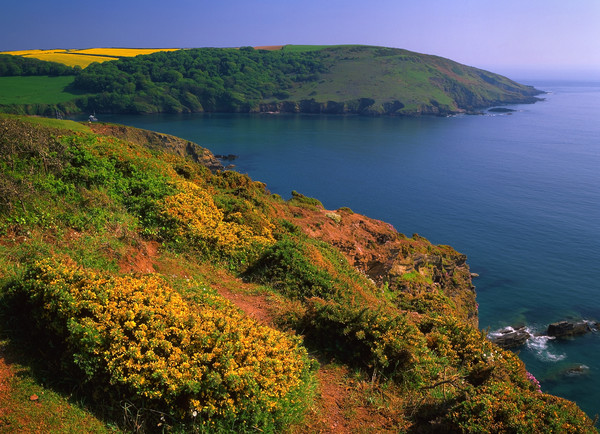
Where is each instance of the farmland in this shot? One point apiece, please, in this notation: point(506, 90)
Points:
point(83, 58)
point(35, 90)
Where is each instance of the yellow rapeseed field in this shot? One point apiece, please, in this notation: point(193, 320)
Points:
point(85, 57)
point(123, 52)
point(70, 59)
point(30, 52)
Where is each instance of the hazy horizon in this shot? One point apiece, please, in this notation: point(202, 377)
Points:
point(554, 37)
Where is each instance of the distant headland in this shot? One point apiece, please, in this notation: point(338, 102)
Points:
point(342, 79)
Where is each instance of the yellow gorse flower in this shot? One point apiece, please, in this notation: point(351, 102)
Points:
point(152, 343)
point(194, 209)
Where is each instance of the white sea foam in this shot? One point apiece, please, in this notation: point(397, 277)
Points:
point(539, 346)
point(501, 332)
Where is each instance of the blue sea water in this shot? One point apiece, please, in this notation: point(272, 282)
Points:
point(519, 194)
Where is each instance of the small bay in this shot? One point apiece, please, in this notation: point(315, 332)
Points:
point(518, 193)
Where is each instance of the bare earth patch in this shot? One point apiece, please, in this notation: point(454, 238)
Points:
point(269, 47)
point(139, 259)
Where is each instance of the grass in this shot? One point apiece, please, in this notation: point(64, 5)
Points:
point(35, 90)
point(355, 73)
point(59, 123)
point(26, 405)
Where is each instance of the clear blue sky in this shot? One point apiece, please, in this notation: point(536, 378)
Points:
point(502, 35)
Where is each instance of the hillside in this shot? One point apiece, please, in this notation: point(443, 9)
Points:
point(142, 290)
point(353, 79)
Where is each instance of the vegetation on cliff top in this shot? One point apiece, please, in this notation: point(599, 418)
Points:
point(113, 261)
point(323, 79)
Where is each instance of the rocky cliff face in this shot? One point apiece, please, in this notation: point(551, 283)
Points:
point(160, 141)
point(362, 106)
point(412, 265)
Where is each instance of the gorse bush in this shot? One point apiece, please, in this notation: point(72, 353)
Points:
point(200, 221)
point(416, 339)
point(500, 408)
point(298, 199)
point(137, 339)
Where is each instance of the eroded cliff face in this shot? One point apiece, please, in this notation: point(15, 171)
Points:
point(411, 265)
point(161, 142)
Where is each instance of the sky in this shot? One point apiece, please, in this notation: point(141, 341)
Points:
point(502, 36)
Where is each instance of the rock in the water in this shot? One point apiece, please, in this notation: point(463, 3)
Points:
point(501, 110)
point(228, 157)
point(568, 328)
point(576, 370)
point(510, 337)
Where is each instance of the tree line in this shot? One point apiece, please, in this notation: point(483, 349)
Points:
point(24, 66)
point(195, 80)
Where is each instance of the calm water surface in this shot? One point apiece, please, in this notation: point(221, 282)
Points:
point(519, 194)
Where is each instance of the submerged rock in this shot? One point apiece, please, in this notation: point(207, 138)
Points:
point(576, 370)
point(501, 110)
point(228, 157)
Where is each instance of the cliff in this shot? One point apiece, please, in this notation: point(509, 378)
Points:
point(169, 295)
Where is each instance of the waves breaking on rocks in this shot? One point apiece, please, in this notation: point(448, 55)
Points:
point(538, 344)
point(542, 348)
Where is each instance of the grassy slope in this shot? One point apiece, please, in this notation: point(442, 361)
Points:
point(402, 349)
point(386, 74)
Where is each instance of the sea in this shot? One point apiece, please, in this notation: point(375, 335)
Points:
point(517, 192)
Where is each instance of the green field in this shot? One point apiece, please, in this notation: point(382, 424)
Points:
point(35, 90)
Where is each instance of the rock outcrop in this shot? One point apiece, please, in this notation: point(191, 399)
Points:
point(412, 265)
point(563, 329)
point(162, 142)
point(510, 337)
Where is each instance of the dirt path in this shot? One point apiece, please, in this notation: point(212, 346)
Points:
point(338, 408)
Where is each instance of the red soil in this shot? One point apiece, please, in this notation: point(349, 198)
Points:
point(139, 259)
point(269, 47)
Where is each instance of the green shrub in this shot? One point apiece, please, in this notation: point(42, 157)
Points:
point(300, 200)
